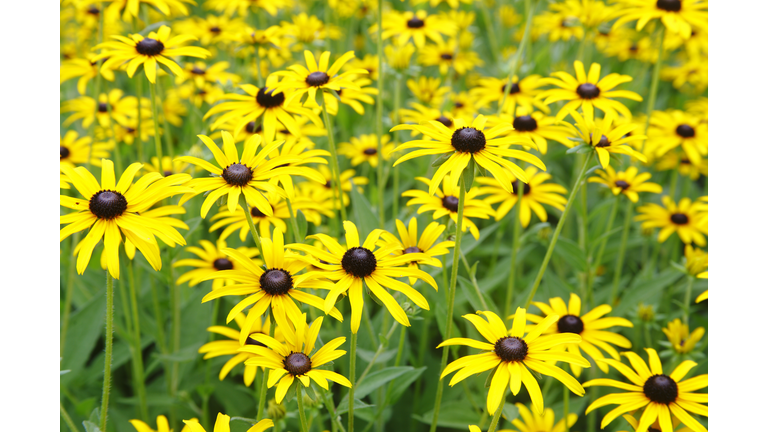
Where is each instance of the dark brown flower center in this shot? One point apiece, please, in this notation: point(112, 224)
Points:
point(525, 123)
point(166, 173)
point(316, 79)
point(570, 324)
point(93, 10)
point(588, 91)
point(252, 341)
point(103, 107)
point(267, 99)
point(255, 212)
point(107, 204)
point(370, 151)
point(468, 140)
point(511, 349)
point(516, 186)
point(445, 121)
point(149, 47)
point(660, 389)
point(679, 219)
point(215, 29)
point(446, 56)
point(63, 152)
point(412, 249)
point(251, 127)
point(603, 142)
point(669, 5)
point(297, 364)
point(237, 174)
point(685, 131)
point(197, 71)
point(451, 203)
point(223, 264)
point(415, 23)
point(622, 184)
point(359, 262)
point(276, 282)
point(514, 88)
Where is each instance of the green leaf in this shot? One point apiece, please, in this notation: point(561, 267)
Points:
point(365, 219)
point(510, 412)
point(343, 407)
point(441, 159)
point(404, 382)
point(455, 415)
point(301, 221)
point(375, 380)
point(469, 291)
point(576, 149)
point(570, 251)
point(91, 426)
point(384, 357)
point(85, 327)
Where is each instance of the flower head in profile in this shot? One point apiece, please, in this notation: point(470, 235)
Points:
point(531, 421)
point(356, 263)
point(605, 137)
point(293, 359)
point(462, 143)
point(75, 150)
point(411, 243)
point(115, 209)
point(680, 17)
point(209, 260)
point(513, 352)
point(521, 93)
point(222, 425)
point(157, 47)
point(684, 218)
point(682, 340)
point(660, 396)
point(628, 183)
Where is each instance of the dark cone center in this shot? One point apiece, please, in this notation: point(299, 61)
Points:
point(445, 121)
point(446, 56)
point(525, 123)
point(93, 10)
point(370, 151)
point(669, 5)
point(255, 212)
point(622, 184)
point(251, 127)
point(359, 262)
point(149, 47)
point(316, 79)
point(252, 341)
point(679, 219)
point(588, 91)
point(468, 140)
point(223, 264)
point(685, 131)
point(570, 324)
point(516, 185)
point(108, 204)
point(276, 282)
point(237, 174)
point(63, 152)
point(412, 249)
point(297, 364)
point(603, 142)
point(415, 23)
point(451, 203)
point(514, 88)
point(103, 107)
point(215, 29)
point(166, 173)
point(660, 389)
point(511, 349)
point(197, 71)
point(267, 99)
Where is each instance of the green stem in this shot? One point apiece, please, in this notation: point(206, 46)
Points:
point(497, 415)
point(96, 92)
point(300, 400)
point(335, 162)
point(396, 141)
point(156, 121)
point(598, 259)
point(492, 41)
point(107, 354)
point(67, 418)
point(376, 355)
point(515, 65)
point(264, 379)
point(673, 184)
point(566, 401)
point(379, 114)
point(451, 299)
point(294, 224)
point(654, 83)
point(69, 290)
point(138, 141)
point(352, 357)
point(249, 218)
point(515, 246)
point(474, 284)
point(167, 129)
point(560, 224)
point(175, 329)
point(335, 420)
point(647, 335)
point(138, 361)
point(687, 301)
point(622, 251)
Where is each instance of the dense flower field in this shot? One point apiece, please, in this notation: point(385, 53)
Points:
point(366, 215)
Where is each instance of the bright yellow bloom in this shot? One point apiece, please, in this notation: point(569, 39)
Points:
point(162, 425)
point(696, 260)
point(672, 129)
point(682, 341)
point(417, 25)
point(351, 96)
point(521, 93)
point(683, 218)
point(411, 243)
point(123, 109)
point(364, 149)
point(680, 17)
point(211, 259)
point(605, 137)
point(446, 55)
point(629, 182)
point(399, 56)
point(222, 425)
point(428, 90)
point(200, 73)
point(85, 69)
point(74, 150)
point(531, 421)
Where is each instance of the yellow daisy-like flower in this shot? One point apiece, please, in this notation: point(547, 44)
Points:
point(229, 7)
point(678, 160)
point(399, 56)
point(591, 326)
point(512, 353)
point(324, 193)
point(447, 55)
point(682, 341)
point(411, 243)
point(417, 25)
point(317, 76)
point(662, 396)
point(683, 218)
point(629, 182)
point(521, 93)
point(167, 167)
point(422, 114)
point(364, 149)
point(232, 345)
point(536, 127)
point(293, 359)
point(655, 425)
point(351, 96)
point(265, 102)
point(85, 69)
point(680, 17)
point(612, 138)
point(275, 287)
point(531, 421)
point(696, 260)
point(355, 263)
point(74, 150)
point(690, 76)
point(463, 144)
point(88, 109)
point(156, 48)
point(369, 62)
point(113, 209)
point(428, 90)
point(248, 174)
point(200, 73)
point(211, 259)
point(222, 425)
point(588, 91)
point(556, 26)
point(162, 425)
point(535, 193)
point(705, 295)
point(446, 202)
point(130, 8)
point(669, 130)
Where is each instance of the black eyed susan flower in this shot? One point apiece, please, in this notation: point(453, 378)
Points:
point(212, 29)
point(512, 353)
point(661, 396)
point(656, 426)
point(156, 48)
point(680, 338)
point(559, 25)
point(535, 193)
point(162, 425)
point(131, 8)
point(231, 346)
point(428, 90)
point(114, 209)
point(74, 150)
point(275, 287)
point(678, 160)
point(588, 91)
point(369, 62)
point(417, 25)
point(521, 93)
point(364, 149)
point(531, 421)
point(354, 264)
point(411, 243)
point(696, 260)
point(591, 326)
point(276, 112)
point(229, 7)
point(422, 114)
point(680, 17)
point(87, 109)
point(293, 359)
point(672, 129)
point(248, 173)
point(199, 73)
point(629, 182)
point(612, 138)
point(446, 202)
point(682, 218)
point(317, 75)
point(167, 167)
point(85, 69)
point(535, 126)
point(464, 143)
point(399, 56)
point(446, 55)
point(301, 152)
point(222, 425)
point(324, 193)
point(210, 259)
